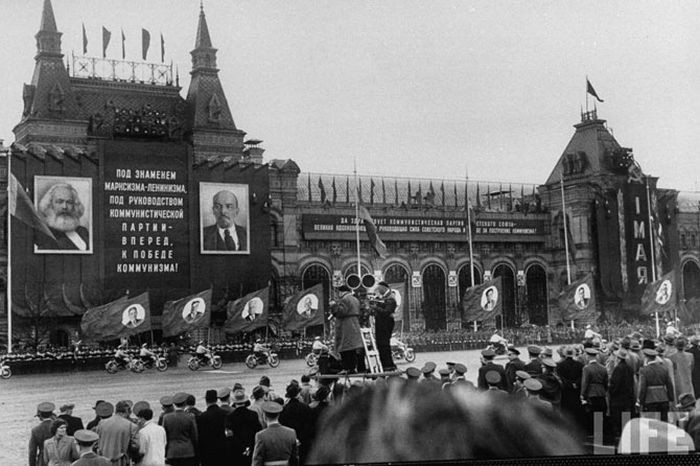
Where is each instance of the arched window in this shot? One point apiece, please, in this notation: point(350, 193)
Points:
point(434, 300)
point(508, 289)
point(536, 295)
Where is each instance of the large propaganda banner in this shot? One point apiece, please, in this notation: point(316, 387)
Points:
point(145, 215)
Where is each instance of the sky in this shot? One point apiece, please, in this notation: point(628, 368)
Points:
point(414, 88)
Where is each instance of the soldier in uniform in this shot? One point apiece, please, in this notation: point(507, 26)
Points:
point(594, 387)
point(570, 372)
point(276, 444)
point(519, 390)
point(487, 365)
point(86, 440)
point(534, 367)
point(412, 374)
point(459, 380)
point(494, 381)
point(551, 384)
point(655, 386)
point(40, 433)
point(428, 371)
point(513, 365)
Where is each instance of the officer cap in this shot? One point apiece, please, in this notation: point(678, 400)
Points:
point(223, 392)
point(104, 409)
point(592, 351)
point(86, 436)
point(488, 353)
point(179, 398)
point(534, 350)
point(493, 377)
point(549, 362)
point(522, 375)
point(533, 384)
point(449, 363)
point(239, 398)
point(460, 369)
point(140, 405)
point(428, 368)
point(548, 352)
point(166, 400)
point(272, 407)
point(413, 372)
point(514, 350)
point(46, 407)
point(444, 372)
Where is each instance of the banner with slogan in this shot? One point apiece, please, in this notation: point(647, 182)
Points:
point(187, 313)
point(120, 318)
point(578, 300)
point(305, 309)
point(660, 296)
point(483, 302)
point(248, 313)
point(398, 291)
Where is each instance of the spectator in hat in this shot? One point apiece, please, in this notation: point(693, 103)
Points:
point(493, 380)
point(451, 367)
point(151, 440)
point(519, 390)
point(259, 395)
point(570, 372)
point(73, 423)
point(190, 405)
point(40, 433)
point(116, 433)
point(181, 432)
point(348, 339)
point(428, 371)
point(444, 376)
point(513, 365)
point(211, 425)
point(695, 351)
point(460, 379)
point(224, 395)
point(412, 374)
point(533, 389)
point(551, 384)
point(621, 392)
point(661, 356)
point(242, 424)
point(534, 367)
point(305, 394)
point(684, 410)
point(138, 406)
point(276, 443)
point(594, 387)
point(166, 403)
point(487, 364)
point(683, 363)
point(92, 424)
point(59, 449)
point(299, 417)
point(86, 440)
point(655, 387)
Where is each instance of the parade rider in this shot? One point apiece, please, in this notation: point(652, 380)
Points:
point(146, 355)
point(318, 346)
point(260, 350)
point(203, 353)
point(121, 356)
point(497, 340)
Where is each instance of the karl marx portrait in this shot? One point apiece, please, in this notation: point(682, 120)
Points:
point(64, 211)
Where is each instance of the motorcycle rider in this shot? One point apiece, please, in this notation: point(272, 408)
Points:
point(497, 341)
point(121, 356)
point(318, 346)
point(147, 356)
point(260, 350)
point(203, 353)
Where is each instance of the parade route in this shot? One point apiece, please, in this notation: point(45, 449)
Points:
point(20, 395)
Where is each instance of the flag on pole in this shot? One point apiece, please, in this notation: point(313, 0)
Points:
point(248, 313)
point(577, 301)
point(660, 296)
point(145, 43)
point(335, 191)
point(398, 292)
point(123, 45)
point(162, 48)
point(22, 208)
point(377, 244)
point(120, 318)
point(305, 309)
point(483, 302)
point(323, 190)
point(106, 36)
point(85, 41)
point(187, 313)
point(591, 91)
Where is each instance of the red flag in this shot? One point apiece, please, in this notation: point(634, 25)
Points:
point(483, 302)
point(377, 244)
point(85, 41)
point(119, 318)
point(661, 295)
point(162, 48)
point(187, 313)
point(591, 91)
point(145, 43)
point(106, 36)
point(22, 208)
point(248, 313)
point(123, 45)
point(305, 309)
point(578, 301)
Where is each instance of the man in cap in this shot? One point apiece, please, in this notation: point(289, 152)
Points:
point(224, 395)
point(428, 371)
point(138, 406)
point(275, 444)
point(661, 356)
point(487, 364)
point(412, 374)
point(348, 339)
point(305, 387)
point(166, 403)
point(298, 416)
point(655, 386)
point(519, 384)
point(444, 376)
point(241, 426)
point(259, 397)
point(384, 306)
point(551, 385)
point(493, 380)
point(534, 367)
point(92, 424)
point(181, 432)
point(513, 365)
point(460, 379)
point(40, 433)
point(73, 423)
point(683, 363)
point(211, 425)
point(116, 433)
point(151, 439)
point(451, 367)
point(190, 405)
point(570, 371)
point(594, 387)
point(621, 392)
point(533, 388)
point(86, 440)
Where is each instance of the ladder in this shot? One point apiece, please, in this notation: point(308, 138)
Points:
point(374, 364)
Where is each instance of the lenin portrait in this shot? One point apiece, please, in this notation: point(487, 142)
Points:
point(224, 219)
point(65, 205)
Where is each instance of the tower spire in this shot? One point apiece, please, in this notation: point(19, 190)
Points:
point(48, 39)
point(203, 39)
point(48, 21)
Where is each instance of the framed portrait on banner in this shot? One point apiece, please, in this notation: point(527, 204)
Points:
point(224, 218)
point(65, 204)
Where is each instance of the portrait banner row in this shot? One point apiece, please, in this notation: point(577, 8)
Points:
point(577, 301)
point(248, 313)
point(187, 314)
point(483, 302)
point(305, 309)
point(120, 318)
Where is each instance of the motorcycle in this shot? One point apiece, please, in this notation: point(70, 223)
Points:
point(311, 359)
point(195, 362)
point(253, 360)
point(500, 347)
point(5, 371)
point(133, 364)
point(399, 351)
point(159, 362)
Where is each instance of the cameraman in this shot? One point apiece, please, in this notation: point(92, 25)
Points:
point(384, 306)
point(348, 338)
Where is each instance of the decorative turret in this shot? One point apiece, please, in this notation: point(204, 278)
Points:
point(214, 132)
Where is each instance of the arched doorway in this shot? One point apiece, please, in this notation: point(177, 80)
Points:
point(434, 303)
point(465, 281)
point(536, 295)
point(691, 289)
point(395, 274)
point(508, 290)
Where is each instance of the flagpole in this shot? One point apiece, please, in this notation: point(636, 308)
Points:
point(586, 94)
point(357, 219)
point(469, 235)
point(653, 255)
point(566, 233)
point(9, 255)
